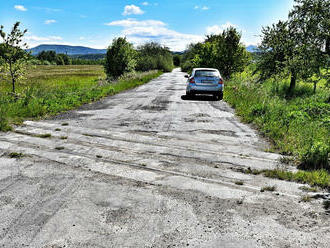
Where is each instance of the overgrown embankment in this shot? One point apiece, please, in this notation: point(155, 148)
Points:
point(298, 125)
point(50, 90)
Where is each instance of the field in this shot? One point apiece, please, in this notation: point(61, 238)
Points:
point(298, 125)
point(49, 90)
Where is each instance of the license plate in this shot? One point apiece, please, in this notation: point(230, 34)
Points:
point(207, 82)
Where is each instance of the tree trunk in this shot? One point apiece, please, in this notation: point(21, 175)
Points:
point(13, 82)
point(292, 82)
point(314, 89)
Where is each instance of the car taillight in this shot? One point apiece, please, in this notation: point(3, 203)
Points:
point(220, 81)
point(192, 81)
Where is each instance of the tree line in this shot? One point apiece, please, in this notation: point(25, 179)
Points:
point(224, 52)
point(298, 48)
point(122, 58)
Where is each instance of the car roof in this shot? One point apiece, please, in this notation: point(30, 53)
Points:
point(206, 69)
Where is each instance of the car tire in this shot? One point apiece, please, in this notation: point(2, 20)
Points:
point(220, 95)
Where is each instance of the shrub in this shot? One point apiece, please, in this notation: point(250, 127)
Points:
point(316, 156)
point(120, 58)
point(177, 60)
point(153, 56)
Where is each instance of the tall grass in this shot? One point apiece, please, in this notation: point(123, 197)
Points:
point(52, 89)
point(298, 125)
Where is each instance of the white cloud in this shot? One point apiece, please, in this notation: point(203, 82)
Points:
point(248, 38)
point(38, 38)
point(81, 38)
point(145, 3)
point(216, 29)
point(20, 8)
point(50, 21)
point(132, 10)
point(47, 9)
point(130, 22)
point(201, 7)
point(139, 32)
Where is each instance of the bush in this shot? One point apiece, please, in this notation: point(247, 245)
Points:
point(177, 60)
point(153, 56)
point(120, 58)
point(316, 156)
point(4, 126)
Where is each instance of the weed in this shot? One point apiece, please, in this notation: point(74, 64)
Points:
point(239, 182)
point(268, 188)
point(99, 156)
point(65, 124)
point(308, 189)
point(286, 160)
point(58, 129)
point(251, 171)
point(306, 198)
point(63, 137)
point(15, 155)
point(44, 136)
point(59, 148)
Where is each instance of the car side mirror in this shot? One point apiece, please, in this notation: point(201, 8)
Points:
point(186, 76)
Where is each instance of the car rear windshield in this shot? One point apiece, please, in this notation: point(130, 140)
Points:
point(206, 73)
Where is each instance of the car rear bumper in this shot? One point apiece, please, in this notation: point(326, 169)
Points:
point(196, 89)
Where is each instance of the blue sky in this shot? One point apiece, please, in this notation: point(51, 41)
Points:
point(174, 23)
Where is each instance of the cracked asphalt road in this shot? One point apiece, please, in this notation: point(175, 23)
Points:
point(149, 168)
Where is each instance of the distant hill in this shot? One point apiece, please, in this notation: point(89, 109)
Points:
point(252, 48)
point(69, 50)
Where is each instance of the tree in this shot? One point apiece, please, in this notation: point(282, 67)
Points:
point(47, 55)
point(14, 57)
point(223, 52)
point(63, 59)
point(120, 58)
point(298, 46)
point(152, 56)
point(310, 22)
point(177, 60)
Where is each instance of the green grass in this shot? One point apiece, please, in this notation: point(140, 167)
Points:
point(44, 136)
point(315, 178)
point(298, 125)
point(15, 155)
point(49, 90)
point(320, 178)
point(268, 188)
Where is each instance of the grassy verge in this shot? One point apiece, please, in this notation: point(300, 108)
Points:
point(50, 90)
point(298, 125)
point(319, 178)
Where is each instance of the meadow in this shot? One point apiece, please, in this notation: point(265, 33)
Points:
point(49, 90)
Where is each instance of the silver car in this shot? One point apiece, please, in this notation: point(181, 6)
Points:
point(205, 81)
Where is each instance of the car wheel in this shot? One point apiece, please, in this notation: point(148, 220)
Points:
point(221, 95)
